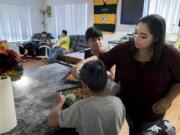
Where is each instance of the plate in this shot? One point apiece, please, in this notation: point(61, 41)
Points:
point(69, 78)
point(73, 95)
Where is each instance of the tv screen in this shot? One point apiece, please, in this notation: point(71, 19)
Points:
point(131, 11)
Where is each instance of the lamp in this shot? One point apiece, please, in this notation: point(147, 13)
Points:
point(44, 12)
point(47, 11)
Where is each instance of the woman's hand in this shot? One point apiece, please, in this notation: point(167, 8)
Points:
point(110, 75)
point(162, 105)
point(76, 69)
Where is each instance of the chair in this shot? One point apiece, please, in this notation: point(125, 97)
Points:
point(42, 51)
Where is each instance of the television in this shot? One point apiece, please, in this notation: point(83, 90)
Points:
point(132, 11)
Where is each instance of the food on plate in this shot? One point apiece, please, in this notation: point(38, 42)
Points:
point(71, 97)
point(80, 94)
point(74, 95)
point(70, 77)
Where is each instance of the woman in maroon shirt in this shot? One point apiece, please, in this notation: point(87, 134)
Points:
point(149, 73)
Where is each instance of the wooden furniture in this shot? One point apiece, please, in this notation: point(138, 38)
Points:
point(74, 57)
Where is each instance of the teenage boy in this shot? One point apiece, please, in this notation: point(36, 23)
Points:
point(94, 40)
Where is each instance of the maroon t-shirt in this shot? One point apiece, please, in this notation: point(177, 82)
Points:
point(141, 86)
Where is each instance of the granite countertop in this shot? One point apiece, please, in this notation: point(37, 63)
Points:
point(35, 95)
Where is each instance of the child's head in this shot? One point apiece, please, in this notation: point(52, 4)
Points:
point(94, 39)
point(93, 32)
point(64, 33)
point(93, 74)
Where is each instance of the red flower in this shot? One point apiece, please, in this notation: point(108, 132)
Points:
point(8, 59)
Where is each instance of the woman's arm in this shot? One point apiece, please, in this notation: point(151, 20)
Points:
point(111, 72)
point(174, 92)
point(75, 70)
point(163, 104)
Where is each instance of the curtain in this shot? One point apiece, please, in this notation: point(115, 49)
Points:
point(169, 9)
point(71, 17)
point(15, 22)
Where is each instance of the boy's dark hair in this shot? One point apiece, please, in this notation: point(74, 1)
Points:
point(65, 32)
point(93, 32)
point(93, 74)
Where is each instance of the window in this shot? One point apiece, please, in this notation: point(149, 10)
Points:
point(71, 17)
point(170, 10)
point(14, 22)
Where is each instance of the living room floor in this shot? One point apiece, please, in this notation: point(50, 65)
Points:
point(32, 63)
point(173, 114)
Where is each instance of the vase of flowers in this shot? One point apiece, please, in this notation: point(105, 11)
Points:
point(10, 62)
point(10, 69)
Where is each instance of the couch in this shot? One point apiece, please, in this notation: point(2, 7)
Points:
point(77, 42)
point(42, 51)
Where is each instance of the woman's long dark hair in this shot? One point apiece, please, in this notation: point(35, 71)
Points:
point(157, 27)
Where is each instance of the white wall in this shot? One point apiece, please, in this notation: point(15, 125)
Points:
point(50, 21)
point(52, 3)
point(120, 29)
point(36, 16)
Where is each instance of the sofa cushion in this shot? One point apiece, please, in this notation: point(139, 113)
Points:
point(78, 42)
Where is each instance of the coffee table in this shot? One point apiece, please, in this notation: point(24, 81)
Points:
point(74, 57)
point(35, 95)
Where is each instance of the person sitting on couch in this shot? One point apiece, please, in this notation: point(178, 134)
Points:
point(37, 40)
point(94, 40)
point(58, 48)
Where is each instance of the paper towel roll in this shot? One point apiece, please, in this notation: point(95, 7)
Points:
point(7, 109)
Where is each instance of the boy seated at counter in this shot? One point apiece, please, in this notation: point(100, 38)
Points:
point(99, 114)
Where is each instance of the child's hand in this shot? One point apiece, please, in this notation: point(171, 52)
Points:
point(60, 99)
